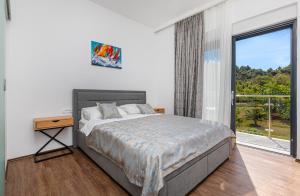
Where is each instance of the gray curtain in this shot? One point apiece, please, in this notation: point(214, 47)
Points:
point(189, 60)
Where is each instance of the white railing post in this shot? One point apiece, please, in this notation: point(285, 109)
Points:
point(269, 106)
point(269, 117)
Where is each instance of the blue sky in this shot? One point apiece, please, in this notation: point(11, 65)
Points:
point(265, 51)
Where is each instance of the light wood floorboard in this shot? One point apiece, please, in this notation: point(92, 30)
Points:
point(247, 172)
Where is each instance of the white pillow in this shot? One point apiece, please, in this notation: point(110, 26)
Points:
point(122, 112)
point(90, 113)
point(131, 109)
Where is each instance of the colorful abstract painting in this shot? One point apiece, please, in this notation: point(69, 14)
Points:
point(106, 55)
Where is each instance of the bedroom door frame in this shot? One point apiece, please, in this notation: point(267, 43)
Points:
point(293, 109)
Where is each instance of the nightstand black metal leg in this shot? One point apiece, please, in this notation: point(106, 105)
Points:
point(38, 153)
point(53, 138)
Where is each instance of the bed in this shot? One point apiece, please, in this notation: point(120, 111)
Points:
point(178, 181)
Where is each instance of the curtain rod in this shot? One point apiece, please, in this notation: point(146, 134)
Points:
point(188, 14)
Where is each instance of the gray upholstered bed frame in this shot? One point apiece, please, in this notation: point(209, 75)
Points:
point(179, 182)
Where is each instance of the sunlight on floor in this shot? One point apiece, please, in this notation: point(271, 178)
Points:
point(263, 142)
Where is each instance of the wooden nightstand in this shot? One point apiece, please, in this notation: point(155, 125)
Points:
point(160, 110)
point(51, 123)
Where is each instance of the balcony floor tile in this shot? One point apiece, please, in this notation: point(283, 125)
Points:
point(264, 142)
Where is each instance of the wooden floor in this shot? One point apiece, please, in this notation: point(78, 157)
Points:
point(248, 172)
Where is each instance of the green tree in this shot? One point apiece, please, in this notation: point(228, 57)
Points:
point(256, 114)
point(251, 81)
point(238, 118)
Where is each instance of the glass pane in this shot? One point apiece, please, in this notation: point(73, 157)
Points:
point(263, 83)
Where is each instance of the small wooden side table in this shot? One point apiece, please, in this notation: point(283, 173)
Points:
point(51, 123)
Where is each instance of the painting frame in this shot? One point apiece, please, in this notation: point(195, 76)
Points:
point(105, 55)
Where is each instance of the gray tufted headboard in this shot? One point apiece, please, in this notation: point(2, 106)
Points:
point(86, 98)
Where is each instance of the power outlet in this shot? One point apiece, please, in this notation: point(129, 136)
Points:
point(67, 111)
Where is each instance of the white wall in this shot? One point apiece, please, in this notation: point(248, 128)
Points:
point(266, 19)
point(165, 57)
point(48, 54)
point(245, 9)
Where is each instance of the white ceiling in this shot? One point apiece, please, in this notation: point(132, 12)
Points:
point(152, 13)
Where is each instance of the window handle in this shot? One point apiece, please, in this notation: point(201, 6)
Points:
point(232, 97)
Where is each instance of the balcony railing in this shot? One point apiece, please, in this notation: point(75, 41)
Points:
point(261, 109)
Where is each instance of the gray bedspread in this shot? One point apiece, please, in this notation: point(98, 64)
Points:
point(149, 148)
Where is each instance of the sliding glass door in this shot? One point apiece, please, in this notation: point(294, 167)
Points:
point(264, 88)
point(2, 126)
